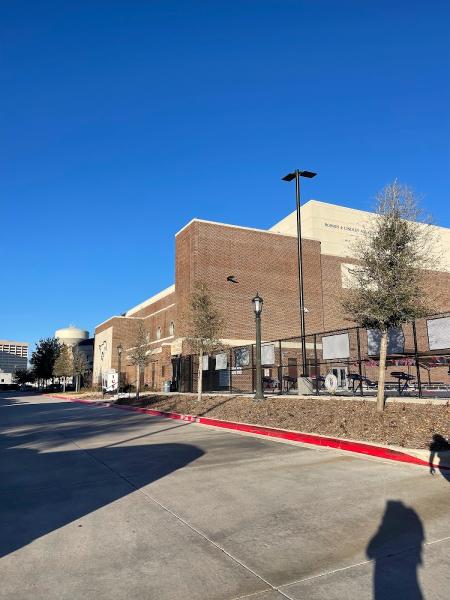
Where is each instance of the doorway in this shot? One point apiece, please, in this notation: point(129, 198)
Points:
point(341, 376)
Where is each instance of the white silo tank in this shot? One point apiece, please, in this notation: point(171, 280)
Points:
point(71, 336)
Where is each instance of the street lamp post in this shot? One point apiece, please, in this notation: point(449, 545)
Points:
point(257, 307)
point(289, 177)
point(119, 356)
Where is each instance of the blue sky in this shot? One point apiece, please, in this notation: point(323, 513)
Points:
point(121, 121)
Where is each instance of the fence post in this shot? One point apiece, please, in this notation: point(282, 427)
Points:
point(280, 368)
point(253, 369)
point(358, 341)
point(315, 365)
point(416, 355)
point(230, 376)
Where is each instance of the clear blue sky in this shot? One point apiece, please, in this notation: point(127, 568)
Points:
point(120, 121)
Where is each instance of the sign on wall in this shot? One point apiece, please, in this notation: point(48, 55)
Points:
point(221, 361)
point(439, 333)
point(396, 341)
point(242, 357)
point(268, 354)
point(336, 346)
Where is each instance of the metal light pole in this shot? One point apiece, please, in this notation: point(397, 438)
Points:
point(119, 356)
point(257, 307)
point(289, 177)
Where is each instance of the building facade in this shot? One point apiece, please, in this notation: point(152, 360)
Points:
point(13, 356)
point(263, 261)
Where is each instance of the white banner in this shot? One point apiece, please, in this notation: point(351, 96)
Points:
point(336, 346)
point(221, 361)
point(439, 333)
point(268, 354)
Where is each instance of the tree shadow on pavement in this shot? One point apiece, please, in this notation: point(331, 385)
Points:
point(439, 447)
point(396, 549)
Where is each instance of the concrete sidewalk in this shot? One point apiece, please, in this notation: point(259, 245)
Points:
point(105, 504)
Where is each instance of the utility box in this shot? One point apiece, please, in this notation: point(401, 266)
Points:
point(109, 380)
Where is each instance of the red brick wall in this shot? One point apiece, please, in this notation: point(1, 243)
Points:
point(261, 261)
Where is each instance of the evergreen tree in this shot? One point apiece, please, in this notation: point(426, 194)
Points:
point(43, 358)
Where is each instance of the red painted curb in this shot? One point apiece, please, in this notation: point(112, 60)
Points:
point(293, 436)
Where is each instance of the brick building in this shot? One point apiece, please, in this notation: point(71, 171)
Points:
point(263, 261)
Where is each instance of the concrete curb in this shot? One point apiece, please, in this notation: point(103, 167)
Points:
point(284, 434)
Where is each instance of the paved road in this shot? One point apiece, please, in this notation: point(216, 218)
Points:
point(100, 504)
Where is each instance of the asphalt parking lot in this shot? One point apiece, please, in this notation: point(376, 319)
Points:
point(105, 504)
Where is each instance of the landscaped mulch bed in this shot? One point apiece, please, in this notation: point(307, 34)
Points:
point(407, 425)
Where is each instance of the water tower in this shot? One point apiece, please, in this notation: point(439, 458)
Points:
point(71, 336)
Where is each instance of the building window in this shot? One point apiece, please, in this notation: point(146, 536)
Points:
point(158, 333)
point(172, 328)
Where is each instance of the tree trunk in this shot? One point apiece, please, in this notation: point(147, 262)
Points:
point(200, 376)
point(138, 381)
point(64, 385)
point(382, 371)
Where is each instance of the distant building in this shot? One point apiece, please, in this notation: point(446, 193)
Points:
point(78, 339)
point(87, 348)
point(13, 356)
point(71, 336)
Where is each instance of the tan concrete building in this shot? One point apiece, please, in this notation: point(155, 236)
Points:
point(261, 260)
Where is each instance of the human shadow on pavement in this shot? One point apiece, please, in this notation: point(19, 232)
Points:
point(396, 549)
point(439, 447)
point(43, 491)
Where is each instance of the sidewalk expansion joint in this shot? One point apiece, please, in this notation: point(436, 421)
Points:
point(150, 498)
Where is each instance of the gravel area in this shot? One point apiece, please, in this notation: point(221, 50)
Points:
point(401, 424)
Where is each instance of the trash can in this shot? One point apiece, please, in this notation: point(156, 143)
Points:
point(166, 386)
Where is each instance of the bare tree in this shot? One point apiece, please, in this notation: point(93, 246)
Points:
point(388, 283)
point(139, 355)
point(204, 325)
point(80, 367)
point(63, 367)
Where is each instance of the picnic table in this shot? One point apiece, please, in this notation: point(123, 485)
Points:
point(402, 377)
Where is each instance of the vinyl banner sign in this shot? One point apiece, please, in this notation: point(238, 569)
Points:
point(336, 346)
point(241, 357)
point(267, 354)
point(439, 333)
point(221, 361)
point(396, 341)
